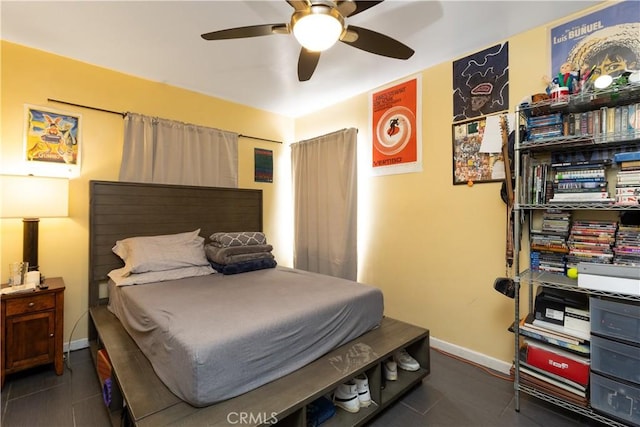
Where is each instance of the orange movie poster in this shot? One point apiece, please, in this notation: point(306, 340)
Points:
point(395, 128)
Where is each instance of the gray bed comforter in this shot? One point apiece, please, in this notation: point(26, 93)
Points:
point(214, 337)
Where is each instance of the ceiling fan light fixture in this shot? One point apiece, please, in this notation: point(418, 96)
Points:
point(318, 28)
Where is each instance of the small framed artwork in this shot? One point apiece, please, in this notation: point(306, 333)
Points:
point(263, 165)
point(476, 159)
point(52, 139)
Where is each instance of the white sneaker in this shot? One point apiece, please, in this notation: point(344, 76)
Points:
point(346, 397)
point(390, 369)
point(362, 387)
point(405, 361)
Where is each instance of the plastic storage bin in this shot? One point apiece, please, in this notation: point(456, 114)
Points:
point(615, 319)
point(618, 399)
point(615, 359)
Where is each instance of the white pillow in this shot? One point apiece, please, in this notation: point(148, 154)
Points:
point(161, 253)
point(158, 276)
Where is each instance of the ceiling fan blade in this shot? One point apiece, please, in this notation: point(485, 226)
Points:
point(377, 43)
point(251, 31)
point(346, 7)
point(361, 6)
point(307, 63)
point(299, 4)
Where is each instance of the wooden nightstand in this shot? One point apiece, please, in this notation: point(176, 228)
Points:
point(32, 328)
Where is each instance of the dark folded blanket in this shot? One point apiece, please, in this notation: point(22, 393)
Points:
point(237, 253)
point(244, 266)
point(243, 238)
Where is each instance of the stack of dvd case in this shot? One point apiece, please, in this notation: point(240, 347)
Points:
point(549, 245)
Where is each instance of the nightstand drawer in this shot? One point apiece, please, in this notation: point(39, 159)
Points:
point(30, 304)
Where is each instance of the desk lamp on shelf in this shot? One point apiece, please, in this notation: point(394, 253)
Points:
point(31, 198)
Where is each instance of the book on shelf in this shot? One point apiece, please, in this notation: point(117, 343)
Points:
point(563, 330)
point(557, 380)
point(530, 324)
point(534, 381)
point(626, 156)
point(629, 165)
point(545, 335)
point(583, 196)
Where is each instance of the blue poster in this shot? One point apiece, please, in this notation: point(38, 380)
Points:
point(604, 42)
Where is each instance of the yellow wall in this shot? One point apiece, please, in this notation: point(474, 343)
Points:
point(433, 248)
point(31, 77)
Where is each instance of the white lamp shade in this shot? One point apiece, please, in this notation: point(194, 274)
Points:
point(317, 31)
point(33, 197)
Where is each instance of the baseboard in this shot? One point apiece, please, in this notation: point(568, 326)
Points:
point(76, 345)
point(473, 356)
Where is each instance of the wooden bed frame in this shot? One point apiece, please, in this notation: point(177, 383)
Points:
point(119, 210)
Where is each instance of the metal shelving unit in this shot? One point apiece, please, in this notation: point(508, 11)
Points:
point(530, 278)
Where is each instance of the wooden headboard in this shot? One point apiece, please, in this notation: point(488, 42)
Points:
point(124, 209)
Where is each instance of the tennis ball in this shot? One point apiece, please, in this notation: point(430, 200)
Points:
point(572, 273)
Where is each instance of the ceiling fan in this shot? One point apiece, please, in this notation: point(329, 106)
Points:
point(317, 25)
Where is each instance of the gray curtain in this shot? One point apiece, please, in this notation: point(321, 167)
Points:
point(170, 152)
point(325, 204)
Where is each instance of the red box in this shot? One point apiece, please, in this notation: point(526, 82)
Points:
point(558, 361)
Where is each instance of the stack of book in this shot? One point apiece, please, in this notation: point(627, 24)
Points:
point(591, 241)
point(581, 183)
point(549, 245)
point(555, 351)
point(546, 126)
point(532, 329)
point(627, 246)
point(628, 178)
point(557, 372)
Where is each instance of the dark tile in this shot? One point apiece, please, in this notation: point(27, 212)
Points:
point(91, 413)
point(83, 380)
point(398, 415)
point(47, 408)
point(423, 398)
point(34, 380)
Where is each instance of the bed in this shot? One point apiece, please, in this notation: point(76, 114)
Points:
point(252, 327)
point(256, 332)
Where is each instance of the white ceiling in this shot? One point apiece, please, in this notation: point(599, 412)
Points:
point(160, 41)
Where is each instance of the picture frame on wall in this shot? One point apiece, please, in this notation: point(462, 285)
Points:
point(395, 120)
point(604, 42)
point(481, 83)
point(52, 141)
point(474, 160)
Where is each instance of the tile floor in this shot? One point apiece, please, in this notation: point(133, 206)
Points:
point(454, 394)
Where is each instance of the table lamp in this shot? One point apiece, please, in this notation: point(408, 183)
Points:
point(31, 198)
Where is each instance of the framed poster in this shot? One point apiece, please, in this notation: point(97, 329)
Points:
point(470, 164)
point(263, 165)
point(481, 83)
point(52, 139)
point(603, 42)
point(396, 126)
